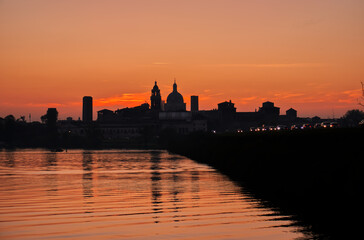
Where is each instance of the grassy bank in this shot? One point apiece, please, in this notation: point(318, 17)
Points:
point(316, 175)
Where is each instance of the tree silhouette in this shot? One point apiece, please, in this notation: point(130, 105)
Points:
point(50, 119)
point(353, 117)
point(10, 126)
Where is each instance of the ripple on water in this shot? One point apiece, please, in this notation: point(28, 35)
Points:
point(126, 194)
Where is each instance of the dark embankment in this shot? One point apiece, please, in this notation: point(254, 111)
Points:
point(315, 175)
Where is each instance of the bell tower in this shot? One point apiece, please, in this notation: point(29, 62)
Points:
point(155, 98)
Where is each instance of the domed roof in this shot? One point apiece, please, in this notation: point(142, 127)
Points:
point(175, 96)
point(175, 101)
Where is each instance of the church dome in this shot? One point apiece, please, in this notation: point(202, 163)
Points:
point(175, 101)
point(174, 97)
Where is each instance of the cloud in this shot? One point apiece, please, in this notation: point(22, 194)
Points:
point(247, 100)
point(210, 95)
point(271, 65)
point(44, 105)
point(345, 98)
point(288, 95)
point(126, 99)
point(348, 97)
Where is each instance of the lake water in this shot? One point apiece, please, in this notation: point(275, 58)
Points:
point(127, 194)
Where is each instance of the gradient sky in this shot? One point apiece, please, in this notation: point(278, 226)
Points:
point(308, 55)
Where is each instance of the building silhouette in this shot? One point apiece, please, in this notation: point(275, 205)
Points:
point(269, 113)
point(175, 101)
point(291, 114)
point(227, 115)
point(105, 115)
point(194, 103)
point(155, 98)
point(268, 108)
point(176, 118)
point(146, 120)
point(226, 107)
point(87, 109)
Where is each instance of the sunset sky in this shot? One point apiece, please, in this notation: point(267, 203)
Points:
point(308, 55)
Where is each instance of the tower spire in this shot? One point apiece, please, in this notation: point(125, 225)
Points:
point(174, 85)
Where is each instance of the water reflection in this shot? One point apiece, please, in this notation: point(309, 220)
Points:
point(50, 161)
point(9, 160)
point(195, 187)
point(156, 185)
point(176, 190)
point(127, 195)
point(87, 184)
point(50, 180)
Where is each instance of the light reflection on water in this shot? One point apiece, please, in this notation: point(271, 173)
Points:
point(127, 194)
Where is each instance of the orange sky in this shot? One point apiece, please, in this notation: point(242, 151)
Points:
point(308, 55)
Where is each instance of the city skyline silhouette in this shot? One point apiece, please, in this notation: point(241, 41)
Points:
point(171, 119)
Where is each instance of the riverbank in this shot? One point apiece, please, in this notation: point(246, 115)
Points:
point(316, 175)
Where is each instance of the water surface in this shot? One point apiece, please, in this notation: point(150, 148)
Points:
point(116, 194)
